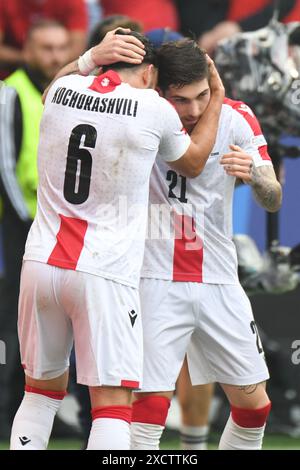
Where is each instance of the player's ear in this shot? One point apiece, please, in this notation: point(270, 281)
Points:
point(150, 75)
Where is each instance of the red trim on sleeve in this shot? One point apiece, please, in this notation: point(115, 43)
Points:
point(106, 82)
point(47, 393)
point(249, 116)
point(113, 412)
point(70, 241)
point(151, 410)
point(247, 418)
point(263, 151)
point(247, 113)
point(187, 262)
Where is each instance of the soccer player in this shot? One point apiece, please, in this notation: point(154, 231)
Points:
point(47, 50)
point(83, 256)
point(195, 403)
point(191, 298)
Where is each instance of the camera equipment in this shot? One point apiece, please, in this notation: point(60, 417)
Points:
point(262, 68)
point(273, 272)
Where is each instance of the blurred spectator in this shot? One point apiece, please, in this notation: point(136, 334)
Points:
point(16, 17)
point(110, 23)
point(213, 20)
point(151, 13)
point(94, 10)
point(257, 13)
point(46, 50)
point(200, 17)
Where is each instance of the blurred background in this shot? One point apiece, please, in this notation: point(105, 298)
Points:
point(37, 37)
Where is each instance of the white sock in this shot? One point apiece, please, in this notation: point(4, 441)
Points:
point(109, 434)
point(145, 436)
point(33, 422)
point(235, 437)
point(194, 437)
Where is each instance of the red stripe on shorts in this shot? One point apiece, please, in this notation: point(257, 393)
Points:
point(130, 384)
point(70, 241)
point(188, 250)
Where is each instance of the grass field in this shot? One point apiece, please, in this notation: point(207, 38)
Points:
point(271, 442)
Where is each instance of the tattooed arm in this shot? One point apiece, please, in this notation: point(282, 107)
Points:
point(267, 190)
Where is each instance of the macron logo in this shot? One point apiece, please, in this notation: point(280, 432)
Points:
point(132, 316)
point(24, 440)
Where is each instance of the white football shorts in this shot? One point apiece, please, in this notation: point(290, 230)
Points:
point(57, 306)
point(212, 324)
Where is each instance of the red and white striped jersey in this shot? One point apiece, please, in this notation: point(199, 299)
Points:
point(98, 142)
point(194, 242)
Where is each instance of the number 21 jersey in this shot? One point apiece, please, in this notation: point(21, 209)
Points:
point(199, 246)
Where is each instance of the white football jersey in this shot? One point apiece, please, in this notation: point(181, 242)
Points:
point(98, 141)
point(190, 220)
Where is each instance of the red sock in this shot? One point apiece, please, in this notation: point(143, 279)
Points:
point(113, 412)
point(151, 410)
point(250, 418)
point(47, 393)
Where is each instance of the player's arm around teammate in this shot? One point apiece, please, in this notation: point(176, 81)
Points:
point(204, 133)
point(120, 45)
point(98, 365)
point(113, 48)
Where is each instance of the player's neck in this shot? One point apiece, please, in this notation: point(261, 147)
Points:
point(133, 77)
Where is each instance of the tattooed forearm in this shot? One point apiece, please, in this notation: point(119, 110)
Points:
point(266, 188)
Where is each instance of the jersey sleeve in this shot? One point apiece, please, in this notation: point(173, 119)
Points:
point(174, 139)
point(249, 136)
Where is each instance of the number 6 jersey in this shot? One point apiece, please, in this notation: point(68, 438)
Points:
point(192, 240)
point(98, 141)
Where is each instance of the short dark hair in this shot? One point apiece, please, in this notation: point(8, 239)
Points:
point(181, 63)
point(43, 23)
point(149, 58)
point(109, 23)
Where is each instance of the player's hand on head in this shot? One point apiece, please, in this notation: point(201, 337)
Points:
point(118, 48)
point(215, 82)
point(238, 163)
